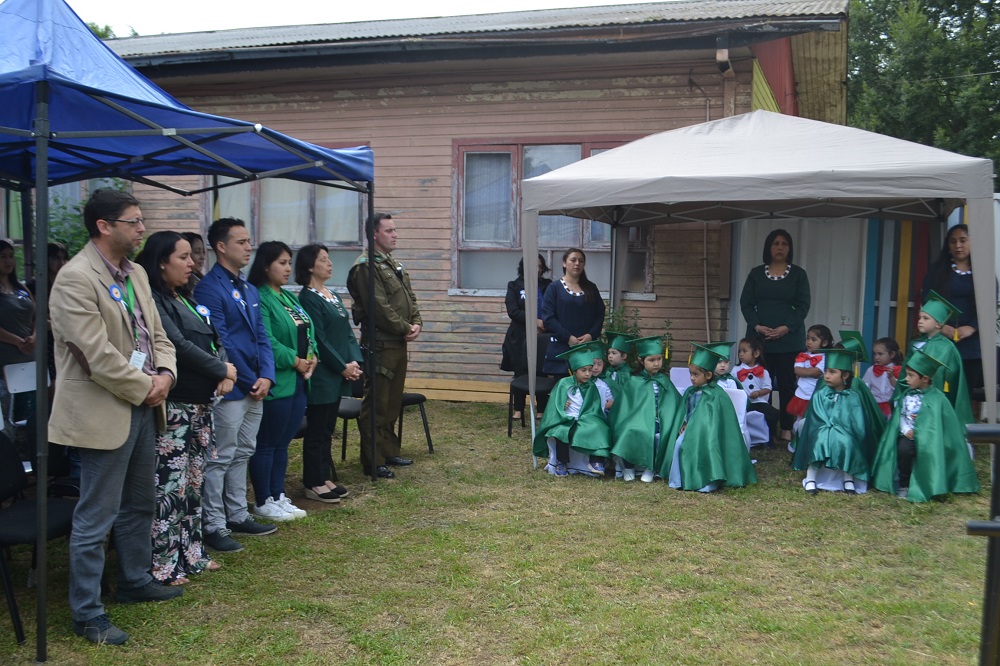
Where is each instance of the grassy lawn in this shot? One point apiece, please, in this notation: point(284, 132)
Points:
point(472, 557)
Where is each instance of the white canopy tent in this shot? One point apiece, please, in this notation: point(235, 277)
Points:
point(765, 165)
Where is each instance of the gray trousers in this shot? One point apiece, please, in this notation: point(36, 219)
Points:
point(117, 489)
point(224, 495)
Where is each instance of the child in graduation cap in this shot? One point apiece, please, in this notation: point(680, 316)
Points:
point(647, 412)
point(708, 450)
point(618, 371)
point(923, 453)
point(950, 380)
point(835, 435)
point(597, 375)
point(723, 371)
point(573, 433)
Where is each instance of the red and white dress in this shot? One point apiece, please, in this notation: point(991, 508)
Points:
point(877, 380)
point(805, 385)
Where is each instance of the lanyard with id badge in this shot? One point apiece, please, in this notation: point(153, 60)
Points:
point(138, 358)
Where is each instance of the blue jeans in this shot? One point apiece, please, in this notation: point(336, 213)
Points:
point(281, 420)
point(117, 489)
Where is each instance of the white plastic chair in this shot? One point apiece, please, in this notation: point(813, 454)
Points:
point(680, 378)
point(20, 378)
point(739, 398)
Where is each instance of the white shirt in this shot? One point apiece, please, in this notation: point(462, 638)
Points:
point(806, 385)
point(753, 383)
point(880, 387)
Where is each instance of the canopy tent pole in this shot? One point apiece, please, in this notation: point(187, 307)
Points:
point(982, 251)
point(41, 127)
point(370, 356)
point(529, 250)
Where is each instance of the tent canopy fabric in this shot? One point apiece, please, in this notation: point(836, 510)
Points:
point(756, 165)
point(107, 120)
point(765, 165)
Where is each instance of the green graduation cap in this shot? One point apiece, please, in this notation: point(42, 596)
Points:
point(579, 356)
point(938, 307)
point(923, 364)
point(620, 341)
point(705, 357)
point(649, 346)
point(839, 359)
point(854, 342)
point(600, 349)
point(723, 349)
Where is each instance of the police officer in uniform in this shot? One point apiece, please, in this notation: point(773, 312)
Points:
point(397, 322)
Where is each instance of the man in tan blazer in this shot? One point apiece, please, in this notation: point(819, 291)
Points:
point(115, 366)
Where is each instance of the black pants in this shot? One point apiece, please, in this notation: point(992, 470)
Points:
point(781, 367)
point(906, 453)
point(317, 461)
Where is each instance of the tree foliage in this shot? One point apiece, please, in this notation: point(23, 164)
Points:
point(927, 71)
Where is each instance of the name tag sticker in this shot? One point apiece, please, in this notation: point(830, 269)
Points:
point(137, 359)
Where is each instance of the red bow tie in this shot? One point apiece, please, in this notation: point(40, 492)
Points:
point(756, 371)
point(880, 370)
point(813, 360)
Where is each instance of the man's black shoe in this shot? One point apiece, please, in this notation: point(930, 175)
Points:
point(397, 461)
point(252, 528)
point(151, 591)
point(381, 472)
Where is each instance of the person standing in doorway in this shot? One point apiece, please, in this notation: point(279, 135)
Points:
point(397, 323)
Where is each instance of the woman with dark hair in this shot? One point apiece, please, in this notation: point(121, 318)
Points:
point(290, 331)
point(775, 302)
point(202, 373)
point(17, 333)
point(951, 276)
point(198, 255)
point(572, 310)
point(339, 364)
point(515, 351)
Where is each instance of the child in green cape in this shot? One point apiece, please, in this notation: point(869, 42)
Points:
point(923, 452)
point(573, 433)
point(646, 413)
point(617, 373)
point(934, 314)
point(708, 450)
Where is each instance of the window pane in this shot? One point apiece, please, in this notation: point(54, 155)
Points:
point(284, 211)
point(342, 262)
point(488, 198)
point(556, 231)
point(338, 216)
point(487, 270)
point(234, 202)
point(600, 234)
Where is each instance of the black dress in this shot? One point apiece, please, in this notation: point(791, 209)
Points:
point(515, 352)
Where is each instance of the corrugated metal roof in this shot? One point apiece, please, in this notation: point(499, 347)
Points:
point(538, 20)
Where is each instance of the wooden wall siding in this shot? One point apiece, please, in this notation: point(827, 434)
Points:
point(412, 118)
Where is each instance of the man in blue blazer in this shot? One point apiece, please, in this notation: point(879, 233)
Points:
point(235, 307)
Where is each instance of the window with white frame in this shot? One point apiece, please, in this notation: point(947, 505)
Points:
point(298, 214)
point(489, 224)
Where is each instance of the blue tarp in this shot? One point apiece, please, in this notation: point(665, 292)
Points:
point(94, 96)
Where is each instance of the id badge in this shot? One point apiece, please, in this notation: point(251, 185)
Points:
point(138, 359)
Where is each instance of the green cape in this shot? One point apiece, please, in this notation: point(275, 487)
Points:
point(633, 419)
point(714, 448)
point(835, 433)
point(942, 464)
point(953, 374)
point(590, 434)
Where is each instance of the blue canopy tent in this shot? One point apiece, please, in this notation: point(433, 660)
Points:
point(73, 110)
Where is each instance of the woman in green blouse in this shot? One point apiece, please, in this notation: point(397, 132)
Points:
point(290, 331)
point(775, 302)
point(339, 365)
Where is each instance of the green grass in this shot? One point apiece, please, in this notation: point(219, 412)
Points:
point(473, 557)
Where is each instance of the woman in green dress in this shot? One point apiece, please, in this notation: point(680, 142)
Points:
point(339, 364)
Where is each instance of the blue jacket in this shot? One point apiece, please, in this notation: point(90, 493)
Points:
point(241, 328)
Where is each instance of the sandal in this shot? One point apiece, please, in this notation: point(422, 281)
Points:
point(180, 580)
point(213, 566)
point(811, 490)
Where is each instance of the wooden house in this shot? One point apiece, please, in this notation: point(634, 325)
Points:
point(458, 110)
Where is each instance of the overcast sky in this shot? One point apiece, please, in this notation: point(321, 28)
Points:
point(152, 18)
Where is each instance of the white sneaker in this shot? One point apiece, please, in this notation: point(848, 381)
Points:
point(290, 508)
point(647, 476)
point(902, 493)
point(628, 474)
point(271, 510)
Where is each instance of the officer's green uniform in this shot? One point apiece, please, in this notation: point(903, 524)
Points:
point(395, 312)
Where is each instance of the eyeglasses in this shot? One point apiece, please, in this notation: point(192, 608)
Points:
point(138, 220)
